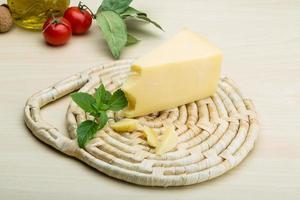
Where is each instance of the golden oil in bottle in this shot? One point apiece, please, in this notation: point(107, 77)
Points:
point(32, 14)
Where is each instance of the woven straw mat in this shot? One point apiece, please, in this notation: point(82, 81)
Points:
point(215, 134)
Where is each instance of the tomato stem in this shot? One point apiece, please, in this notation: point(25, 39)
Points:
point(82, 6)
point(55, 20)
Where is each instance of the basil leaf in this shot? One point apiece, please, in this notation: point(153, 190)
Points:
point(85, 132)
point(145, 18)
point(102, 120)
point(117, 6)
point(131, 40)
point(132, 12)
point(97, 107)
point(114, 31)
point(84, 101)
point(118, 101)
point(102, 96)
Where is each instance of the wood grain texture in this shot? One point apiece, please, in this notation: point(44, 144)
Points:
point(261, 44)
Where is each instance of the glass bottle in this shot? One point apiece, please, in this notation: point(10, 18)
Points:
point(32, 14)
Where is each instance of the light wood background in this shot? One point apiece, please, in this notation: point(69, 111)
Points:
point(260, 40)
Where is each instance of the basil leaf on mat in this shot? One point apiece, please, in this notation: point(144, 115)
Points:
point(102, 120)
point(97, 107)
point(85, 132)
point(118, 101)
point(84, 101)
point(102, 96)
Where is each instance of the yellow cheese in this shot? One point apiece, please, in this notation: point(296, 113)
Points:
point(125, 125)
point(151, 135)
point(168, 140)
point(184, 69)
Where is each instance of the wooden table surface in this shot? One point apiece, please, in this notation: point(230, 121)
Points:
point(260, 40)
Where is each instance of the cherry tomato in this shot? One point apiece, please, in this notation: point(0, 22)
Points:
point(57, 31)
point(80, 19)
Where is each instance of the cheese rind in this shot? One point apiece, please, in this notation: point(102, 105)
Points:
point(184, 69)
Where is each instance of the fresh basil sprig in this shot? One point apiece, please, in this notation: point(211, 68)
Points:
point(97, 106)
point(111, 18)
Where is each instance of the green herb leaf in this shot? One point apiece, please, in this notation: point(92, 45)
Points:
point(114, 31)
point(117, 6)
point(102, 120)
point(131, 40)
point(145, 18)
point(85, 132)
point(132, 12)
point(102, 96)
point(97, 107)
point(84, 101)
point(136, 14)
point(118, 101)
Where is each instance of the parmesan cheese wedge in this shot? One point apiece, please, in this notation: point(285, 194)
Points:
point(184, 69)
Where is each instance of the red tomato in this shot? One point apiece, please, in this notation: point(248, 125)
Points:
point(80, 19)
point(57, 31)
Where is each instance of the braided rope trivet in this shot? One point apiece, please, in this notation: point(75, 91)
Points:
point(215, 134)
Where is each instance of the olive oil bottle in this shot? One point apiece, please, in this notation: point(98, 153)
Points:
point(32, 14)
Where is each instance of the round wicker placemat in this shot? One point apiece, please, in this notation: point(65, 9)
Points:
point(215, 134)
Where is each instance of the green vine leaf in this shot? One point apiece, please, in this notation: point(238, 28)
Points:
point(117, 6)
point(131, 40)
point(145, 18)
point(132, 12)
point(114, 31)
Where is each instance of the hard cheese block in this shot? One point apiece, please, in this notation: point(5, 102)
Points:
point(184, 69)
